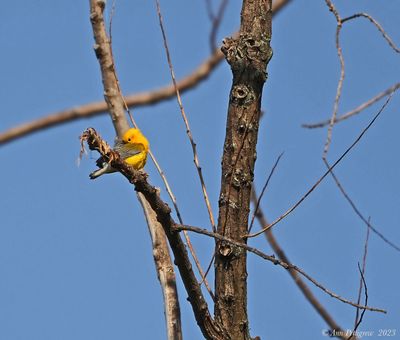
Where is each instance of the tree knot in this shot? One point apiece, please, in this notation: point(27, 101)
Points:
point(242, 95)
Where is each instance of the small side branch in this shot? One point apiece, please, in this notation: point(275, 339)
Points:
point(275, 261)
point(377, 25)
point(355, 111)
point(258, 201)
point(216, 22)
point(363, 284)
point(359, 214)
point(341, 79)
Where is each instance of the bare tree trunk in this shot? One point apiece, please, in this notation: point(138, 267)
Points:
point(248, 56)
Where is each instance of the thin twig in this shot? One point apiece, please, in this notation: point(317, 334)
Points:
point(325, 174)
point(341, 79)
point(182, 110)
point(297, 279)
point(359, 214)
point(258, 201)
point(193, 144)
point(354, 332)
point(209, 267)
point(355, 111)
point(111, 19)
point(377, 25)
point(362, 272)
point(277, 5)
point(209, 10)
point(275, 261)
point(216, 22)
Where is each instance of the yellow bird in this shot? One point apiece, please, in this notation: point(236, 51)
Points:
point(133, 149)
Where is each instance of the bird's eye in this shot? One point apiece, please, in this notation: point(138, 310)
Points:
point(129, 139)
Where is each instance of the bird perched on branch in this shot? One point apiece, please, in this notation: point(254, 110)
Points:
point(133, 149)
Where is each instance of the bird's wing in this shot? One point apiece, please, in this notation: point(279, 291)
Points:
point(126, 150)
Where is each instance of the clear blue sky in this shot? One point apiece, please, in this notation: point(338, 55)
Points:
point(75, 255)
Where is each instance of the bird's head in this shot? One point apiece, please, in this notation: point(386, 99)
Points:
point(131, 136)
point(134, 136)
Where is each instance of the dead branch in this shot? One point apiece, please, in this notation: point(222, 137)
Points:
point(210, 328)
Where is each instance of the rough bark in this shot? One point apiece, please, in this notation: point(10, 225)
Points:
point(248, 56)
point(102, 48)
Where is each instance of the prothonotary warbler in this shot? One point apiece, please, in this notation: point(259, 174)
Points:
point(133, 149)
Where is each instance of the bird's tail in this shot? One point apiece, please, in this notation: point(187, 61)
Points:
point(104, 170)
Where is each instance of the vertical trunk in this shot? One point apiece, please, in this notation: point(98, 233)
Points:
point(248, 56)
